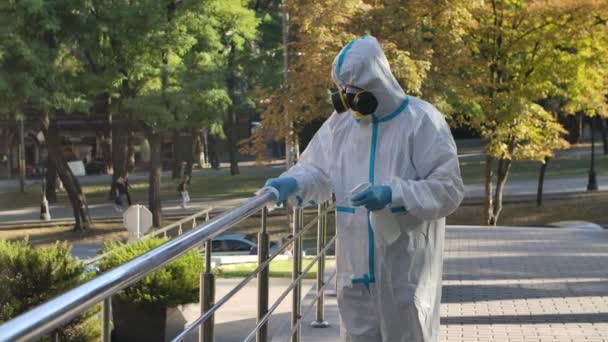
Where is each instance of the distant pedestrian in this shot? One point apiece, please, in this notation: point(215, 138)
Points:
point(122, 196)
point(289, 249)
point(182, 188)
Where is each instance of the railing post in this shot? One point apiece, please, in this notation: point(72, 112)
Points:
point(297, 270)
point(106, 308)
point(333, 292)
point(319, 321)
point(207, 296)
point(263, 292)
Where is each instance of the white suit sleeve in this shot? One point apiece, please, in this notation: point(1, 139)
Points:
point(438, 190)
point(312, 170)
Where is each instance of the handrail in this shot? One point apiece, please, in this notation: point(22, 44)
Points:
point(156, 232)
point(61, 309)
point(244, 282)
point(293, 284)
point(179, 223)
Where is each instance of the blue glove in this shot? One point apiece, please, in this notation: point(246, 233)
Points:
point(286, 186)
point(375, 198)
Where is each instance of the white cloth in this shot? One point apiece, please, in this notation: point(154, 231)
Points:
point(391, 292)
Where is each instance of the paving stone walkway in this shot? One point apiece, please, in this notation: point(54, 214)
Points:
point(517, 285)
point(525, 284)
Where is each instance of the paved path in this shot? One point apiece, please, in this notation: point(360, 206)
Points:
point(107, 210)
point(553, 185)
point(236, 319)
point(517, 285)
point(244, 167)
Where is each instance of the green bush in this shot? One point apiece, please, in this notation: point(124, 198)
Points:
point(32, 275)
point(175, 283)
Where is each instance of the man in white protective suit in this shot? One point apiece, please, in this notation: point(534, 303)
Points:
point(397, 153)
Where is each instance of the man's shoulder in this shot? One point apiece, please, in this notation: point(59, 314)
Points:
point(425, 112)
point(421, 107)
point(338, 121)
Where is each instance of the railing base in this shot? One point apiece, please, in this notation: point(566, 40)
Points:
point(319, 324)
point(331, 293)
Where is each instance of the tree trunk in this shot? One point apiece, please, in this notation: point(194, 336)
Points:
point(488, 190)
point(579, 124)
point(106, 151)
point(204, 148)
point(604, 132)
point(155, 179)
point(70, 183)
point(232, 148)
point(572, 125)
point(232, 114)
point(130, 167)
point(120, 146)
point(504, 165)
point(541, 181)
point(214, 159)
point(7, 148)
point(177, 156)
point(103, 106)
point(196, 152)
point(51, 181)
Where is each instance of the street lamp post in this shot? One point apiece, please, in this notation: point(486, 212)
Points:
point(592, 183)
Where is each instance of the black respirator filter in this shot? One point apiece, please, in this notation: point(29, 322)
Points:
point(338, 99)
point(362, 102)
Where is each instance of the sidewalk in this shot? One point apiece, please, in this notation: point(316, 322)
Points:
point(221, 202)
point(236, 319)
point(516, 285)
point(63, 211)
point(552, 185)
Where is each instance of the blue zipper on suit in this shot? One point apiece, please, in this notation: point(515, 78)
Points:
point(370, 277)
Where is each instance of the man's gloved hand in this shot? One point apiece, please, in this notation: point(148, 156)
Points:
point(375, 198)
point(286, 186)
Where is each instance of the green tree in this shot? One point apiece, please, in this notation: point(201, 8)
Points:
point(236, 25)
point(518, 58)
point(40, 75)
point(111, 43)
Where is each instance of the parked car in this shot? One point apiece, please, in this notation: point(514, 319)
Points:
point(238, 244)
point(95, 167)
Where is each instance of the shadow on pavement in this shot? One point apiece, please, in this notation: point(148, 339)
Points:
point(475, 293)
point(528, 319)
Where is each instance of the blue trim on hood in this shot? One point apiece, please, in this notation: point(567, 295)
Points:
point(395, 113)
point(342, 55)
point(390, 116)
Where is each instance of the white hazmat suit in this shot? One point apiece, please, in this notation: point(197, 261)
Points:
point(386, 292)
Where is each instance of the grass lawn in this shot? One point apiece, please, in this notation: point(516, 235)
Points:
point(278, 269)
point(98, 193)
point(246, 184)
point(588, 207)
point(473, 171)
point(49, 235)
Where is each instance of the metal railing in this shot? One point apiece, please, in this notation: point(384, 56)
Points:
point(60, 310)
point(106, 305)
point(193, 219)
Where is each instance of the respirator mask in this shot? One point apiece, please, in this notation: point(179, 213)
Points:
point(360, 101)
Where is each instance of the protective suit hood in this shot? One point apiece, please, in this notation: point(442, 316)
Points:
point(362, 64)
